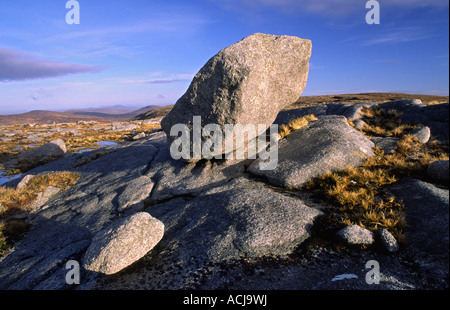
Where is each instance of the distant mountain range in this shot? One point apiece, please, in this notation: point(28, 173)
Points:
point(106, 114)
point(119, 112)
point(122, 113)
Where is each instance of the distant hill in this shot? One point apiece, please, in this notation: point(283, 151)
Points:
point(48, 117)
point(113, 112)
point(375, 97)
point(120, 113)
point(116, 109)
point(100, 115)
point(156, 113)
point(146, 109)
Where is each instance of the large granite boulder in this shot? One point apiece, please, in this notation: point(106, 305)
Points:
point(249, 82)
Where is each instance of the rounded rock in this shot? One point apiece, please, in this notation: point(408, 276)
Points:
point(355, 234)
point(388, 240)
point(123, 243)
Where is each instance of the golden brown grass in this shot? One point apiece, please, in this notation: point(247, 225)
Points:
point(384, 124)
point(359, 196)
point(296, 124)
point(434, 102)
point(14, 202)
point(89, 135)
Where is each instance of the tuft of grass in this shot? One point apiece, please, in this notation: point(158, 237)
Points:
point(14, 202)
point(285, 130)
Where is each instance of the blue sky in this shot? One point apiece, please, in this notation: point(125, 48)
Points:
point(137, 53)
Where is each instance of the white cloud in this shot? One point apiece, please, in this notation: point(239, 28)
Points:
point(399, 35)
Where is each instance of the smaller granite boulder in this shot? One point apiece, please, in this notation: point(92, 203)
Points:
point(24, 182)
point(388, 240)
point(123, 243)
point(422, 134)
point(45, 153)
point(355, 234)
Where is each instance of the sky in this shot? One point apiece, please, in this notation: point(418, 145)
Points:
point(137, 53)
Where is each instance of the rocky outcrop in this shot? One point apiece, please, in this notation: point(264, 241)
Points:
point(426, 224)
point(427, 215)
point(349, 111)
point(436, 117)
point(249, 82)
point(239, 219)
point(329, 144)
point(217, 218)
